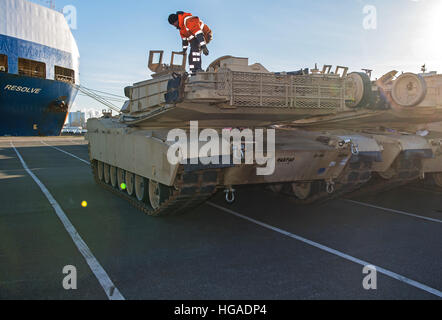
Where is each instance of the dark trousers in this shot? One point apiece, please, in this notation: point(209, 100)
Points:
point(194, 57)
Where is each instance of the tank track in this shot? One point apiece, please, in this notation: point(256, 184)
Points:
point(360, 182)
point(356, 175)
point(353, 190)
point(407, 172)
point(190, 191)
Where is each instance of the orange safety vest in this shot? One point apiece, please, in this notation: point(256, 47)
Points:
point(190, 26)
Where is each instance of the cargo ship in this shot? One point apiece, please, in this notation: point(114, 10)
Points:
point(39, 69)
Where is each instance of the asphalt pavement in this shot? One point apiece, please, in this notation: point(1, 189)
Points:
point(264, 246)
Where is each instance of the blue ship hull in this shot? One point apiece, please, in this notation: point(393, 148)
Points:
point(33, 106)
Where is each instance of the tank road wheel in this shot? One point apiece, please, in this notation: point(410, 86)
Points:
point(130, 177)
point(302, 190)
point(140, 188)
point(158, 193)
point(409, 90)
point(437, 177)
point(106, 172)
point(100, 170)
point(113, 176)
point(121, 178)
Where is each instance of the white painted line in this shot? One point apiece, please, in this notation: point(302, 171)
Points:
point(106, 283)
point(394, 211)
point(333, 251)
point(65, 152)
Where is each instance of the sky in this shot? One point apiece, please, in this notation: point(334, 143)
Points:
point(115, 36)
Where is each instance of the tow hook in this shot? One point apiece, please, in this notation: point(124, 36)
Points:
point(330, 187)
point(230, 195)
point(354, 149)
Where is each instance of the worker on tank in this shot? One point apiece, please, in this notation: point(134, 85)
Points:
point(195, 33)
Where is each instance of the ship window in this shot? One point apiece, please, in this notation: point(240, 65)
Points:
point(31, 68)
point(64, 74)
point(3, 63)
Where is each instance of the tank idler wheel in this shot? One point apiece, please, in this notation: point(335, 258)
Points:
point(121, 178)
point(140, 188)
point(130, 177)
point(437, 177)
point(106, 172)
point(158, 193)
point(100, 170)
point(113, 176)
point(302, 190)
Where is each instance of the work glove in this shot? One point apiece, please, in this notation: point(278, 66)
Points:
point(205, 50)
point(209, 37)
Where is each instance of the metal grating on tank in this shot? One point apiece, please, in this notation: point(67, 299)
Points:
point(246, 89)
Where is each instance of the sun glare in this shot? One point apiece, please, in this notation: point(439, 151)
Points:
point(431, 44)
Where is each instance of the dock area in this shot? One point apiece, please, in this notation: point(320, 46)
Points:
point(264, 246)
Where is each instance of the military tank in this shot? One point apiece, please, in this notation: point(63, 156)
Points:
point(300, 114)
point(395, 119)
